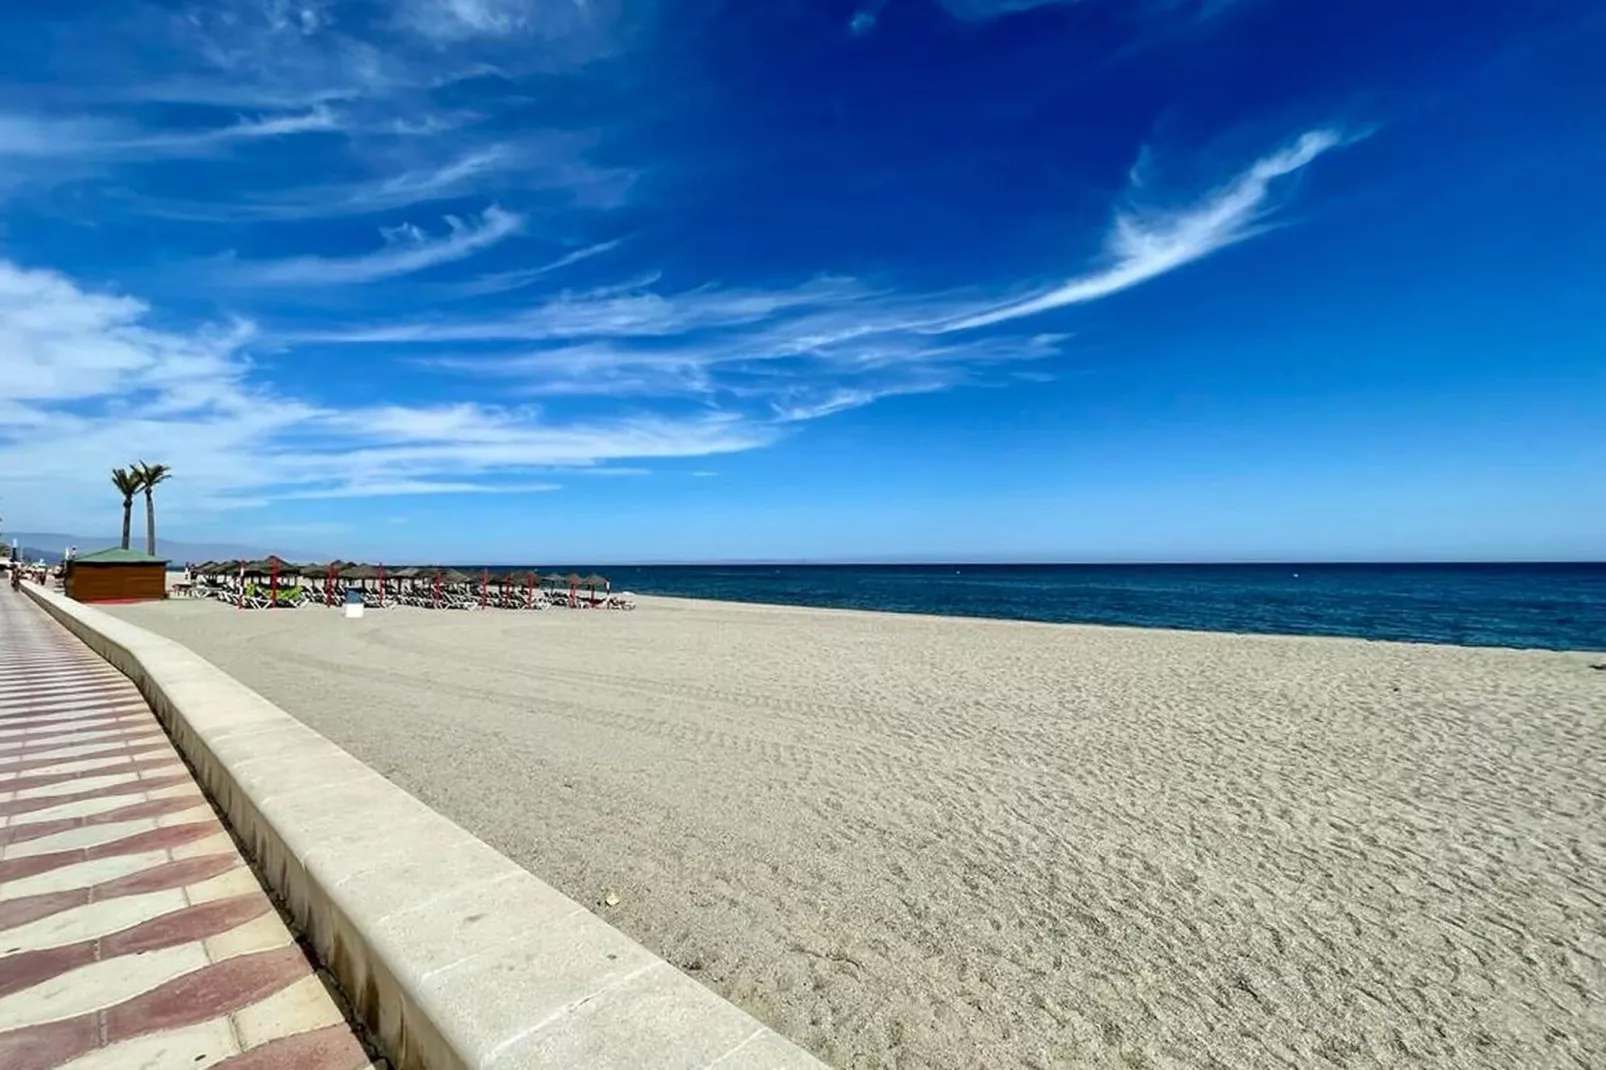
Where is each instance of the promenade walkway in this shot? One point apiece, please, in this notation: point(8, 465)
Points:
point(132, 933)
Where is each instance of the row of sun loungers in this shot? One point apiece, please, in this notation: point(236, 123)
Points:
point(277, 584)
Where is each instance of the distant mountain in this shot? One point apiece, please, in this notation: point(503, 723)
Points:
point(50, 545)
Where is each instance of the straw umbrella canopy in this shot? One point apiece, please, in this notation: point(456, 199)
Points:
point(265, 566)
point(357, 572)
point(527, 580)
point(452, 575)
point(556, 579)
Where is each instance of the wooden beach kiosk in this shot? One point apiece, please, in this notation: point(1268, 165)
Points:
point(116, 575)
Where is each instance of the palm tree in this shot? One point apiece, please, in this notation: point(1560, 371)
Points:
point(150, 475)
point(128, 484)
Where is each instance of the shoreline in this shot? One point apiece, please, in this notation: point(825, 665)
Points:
point(671, 601)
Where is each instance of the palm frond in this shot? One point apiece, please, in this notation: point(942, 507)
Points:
point(127, 481)
point(151, 474)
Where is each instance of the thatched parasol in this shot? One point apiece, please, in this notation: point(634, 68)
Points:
point(358, 572)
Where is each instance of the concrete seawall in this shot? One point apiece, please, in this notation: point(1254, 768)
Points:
point(453, 955)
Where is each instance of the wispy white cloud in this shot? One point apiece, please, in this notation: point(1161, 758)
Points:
point(271, 69)
point(455, 19)
point(545, 165)
point(90, 382)
point(836, 316)
point(302, 16)
point(987, 10)
point(806, 404)
point(504, 281)
point(38, 137)
point(403, 488)
point(314, 120)
point(409, 250)
point(1143, 245)
point(583, 28)
point(668, 372)
point(984, 10)
point(793, 363)
point(445, 180)
point(629, 311)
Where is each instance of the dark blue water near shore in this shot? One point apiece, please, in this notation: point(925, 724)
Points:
point(1559, 607)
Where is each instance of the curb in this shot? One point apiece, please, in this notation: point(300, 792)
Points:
point(450, 953)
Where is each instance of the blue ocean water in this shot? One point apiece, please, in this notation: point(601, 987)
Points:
point(1557, 607)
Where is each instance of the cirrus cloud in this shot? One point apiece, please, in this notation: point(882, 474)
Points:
point(409, 249)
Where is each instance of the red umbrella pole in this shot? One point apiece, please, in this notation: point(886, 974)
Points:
point(273, 584)
point(329, 586)
point(240, 598)
point(437, 591)
point(529, 592)
point(381, 585)
point(485, 578)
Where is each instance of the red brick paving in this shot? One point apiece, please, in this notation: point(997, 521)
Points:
point(113, 749)
point(55, 742)
point(42, 1047)
point(174, 874)
point(321, 1049)
point(44, 780)
point(133, 812)
point(169, 930)
point(210, 992)
point(54, 694)
point(30, 908)
point(162, 839)
point(132, 787)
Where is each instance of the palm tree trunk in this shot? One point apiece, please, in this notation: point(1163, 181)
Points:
point(128, 518)
point(150, 523)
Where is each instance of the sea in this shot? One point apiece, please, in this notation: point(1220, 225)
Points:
point(1546, 606)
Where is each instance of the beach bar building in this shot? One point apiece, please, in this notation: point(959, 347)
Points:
point(116, 575)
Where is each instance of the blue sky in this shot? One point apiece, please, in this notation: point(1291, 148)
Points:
point(606, 280)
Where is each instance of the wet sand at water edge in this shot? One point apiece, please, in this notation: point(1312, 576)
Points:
point(923, 842)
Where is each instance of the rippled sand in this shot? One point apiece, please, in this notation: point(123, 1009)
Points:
point(923, 842)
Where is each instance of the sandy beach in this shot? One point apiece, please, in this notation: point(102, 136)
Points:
point(923, 842)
